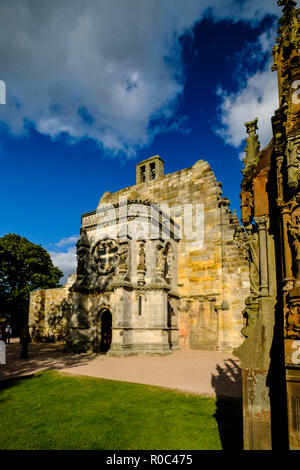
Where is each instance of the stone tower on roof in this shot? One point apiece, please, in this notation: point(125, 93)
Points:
point(149, 169)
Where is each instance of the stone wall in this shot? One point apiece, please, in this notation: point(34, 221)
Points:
point(212, 272)
point(49, 314)
point(213, 275)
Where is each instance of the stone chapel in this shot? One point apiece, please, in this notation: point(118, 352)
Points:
point(165, 264)
point(161, 265)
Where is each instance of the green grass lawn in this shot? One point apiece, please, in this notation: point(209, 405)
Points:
point(51, 410)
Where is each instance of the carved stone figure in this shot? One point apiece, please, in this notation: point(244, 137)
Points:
point(247, 205)
point(168, 263)
point(253, 145)
point(293, 315)
point(161, 260)
point(294, 232)
point(83, 253)
point(293, 321)
point(142, 258)
point(123, 256)
point(293, 163)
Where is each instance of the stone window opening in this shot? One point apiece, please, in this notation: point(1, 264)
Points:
point(152, 170)
point(140, 305)
point(143, 174)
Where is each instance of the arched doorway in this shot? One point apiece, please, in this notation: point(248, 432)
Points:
point(105, 331)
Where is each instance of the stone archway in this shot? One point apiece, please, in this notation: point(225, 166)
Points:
point(105, 331)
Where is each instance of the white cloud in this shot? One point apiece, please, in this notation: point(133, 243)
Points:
point(66, 261)
point(256, 97)
point(97, 69)
point(67, 241)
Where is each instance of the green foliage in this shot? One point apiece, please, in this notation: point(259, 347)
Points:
point(24, 267)
point(57, 411)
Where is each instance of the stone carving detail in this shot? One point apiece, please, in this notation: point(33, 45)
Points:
point(250, 315)
point(253, 145)
point(141, 256)
point(293, 226)
point(161, 262)
point(261, 221)
point(247, 205)
point(168, 262)
point(83, 254)
point(105, 256)
point(241, 242)
point(287, 48)
point(293, 315)
point(141, 265)
point(293, 163)
point(123, 256)
point(279, 163)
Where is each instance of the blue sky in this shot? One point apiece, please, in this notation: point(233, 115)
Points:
point(93, 88)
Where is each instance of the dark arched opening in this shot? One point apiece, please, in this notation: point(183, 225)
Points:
point(106, 331)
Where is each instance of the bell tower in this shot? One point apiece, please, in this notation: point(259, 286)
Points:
point(149, 170)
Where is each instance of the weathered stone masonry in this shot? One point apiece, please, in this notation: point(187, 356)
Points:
point(211, 268)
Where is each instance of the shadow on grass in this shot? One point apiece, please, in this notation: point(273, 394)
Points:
point(10, 383)
point(229, 413)
point(41, 357)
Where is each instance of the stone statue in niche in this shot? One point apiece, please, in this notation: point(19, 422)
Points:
point(142, 258)
point(294, 231)
point(123, 256)
point(293, 160)
point(161, 260)
point(83, 253)
point(168, 263)
point(247, 205)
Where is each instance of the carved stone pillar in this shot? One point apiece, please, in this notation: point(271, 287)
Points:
point(261, 222)
point(279, 162)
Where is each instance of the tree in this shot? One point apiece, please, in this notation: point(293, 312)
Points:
point(24, 267)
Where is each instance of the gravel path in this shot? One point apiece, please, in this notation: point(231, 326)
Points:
point(204, 372)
